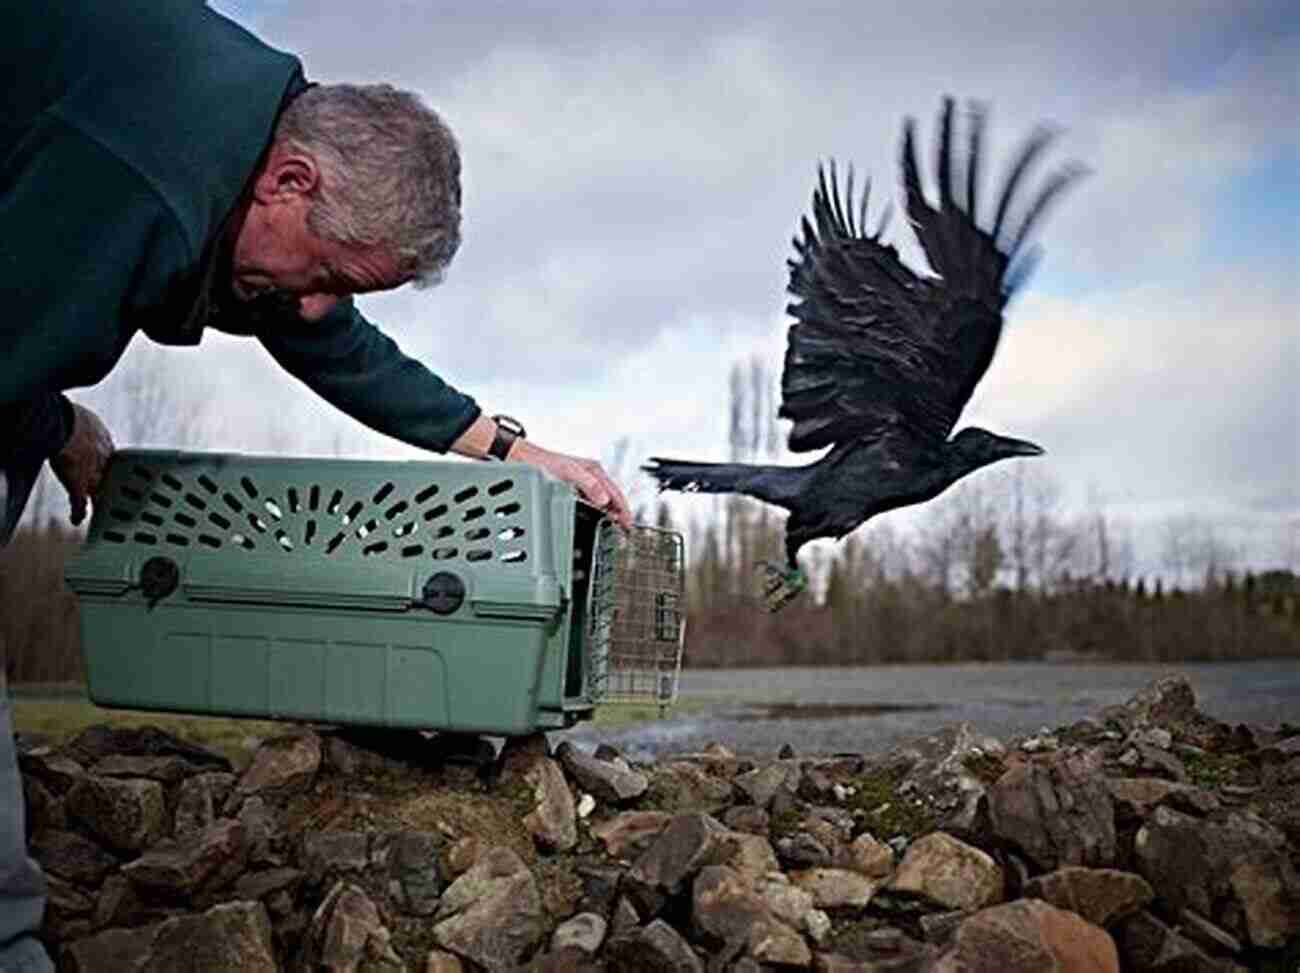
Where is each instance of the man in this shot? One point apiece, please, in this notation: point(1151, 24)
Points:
point(164, 171)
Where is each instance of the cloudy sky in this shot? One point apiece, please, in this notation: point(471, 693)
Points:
point(633, 173)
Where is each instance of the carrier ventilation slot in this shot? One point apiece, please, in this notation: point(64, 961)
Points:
point(317, 519)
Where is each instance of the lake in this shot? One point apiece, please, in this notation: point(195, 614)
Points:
point(871, 708)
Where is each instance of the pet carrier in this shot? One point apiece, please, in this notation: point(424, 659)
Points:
point(467, 597)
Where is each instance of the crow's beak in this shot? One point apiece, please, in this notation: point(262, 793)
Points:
point(1022, 447)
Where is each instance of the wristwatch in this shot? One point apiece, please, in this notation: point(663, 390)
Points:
point(508, 430)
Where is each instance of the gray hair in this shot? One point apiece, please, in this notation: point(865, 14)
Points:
point(390, 173)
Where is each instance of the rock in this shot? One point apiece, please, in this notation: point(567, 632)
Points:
point(260, 827)
point(414, 880)
point(553, 819)
point(1136, 797)
point(836, 888)
point(628, 834)
point(724, 908)
point(1154, 761)
point(603, 779)
point(752, 856)
point(949, 872)
point(585, 932)
point(938, 772)
point(1207, 865)
point(785, 900)
point(586, 804)
point(462, 855)
point(166, 769)
point(492, 914)
point(281, 768)
point(1167, 701)
point(347, 934)
point(441, 961)
point(1152, 736)
point(688, 843)
point(254, 886)
point(1149, 946)
point(1100, 895)
point(1029, 936)
point(692, 789)
point(197, 800)
point(868, 856)
point(127, 815)
point(72, 857)
point(176, 868)
point(64, 898)
point(657, 948)
point(54, 770)
point(1058, 813)
point(802, 850)
point(234, 937)
point(1205, 933)
point(333, 853)
point(99, 741)
point(747, 817)
point(44, 810)
point(761, 784)
point(940, 927)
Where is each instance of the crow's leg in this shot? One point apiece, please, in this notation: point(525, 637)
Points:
point(782, 585)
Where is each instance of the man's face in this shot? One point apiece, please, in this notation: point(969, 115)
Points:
point(277, 260)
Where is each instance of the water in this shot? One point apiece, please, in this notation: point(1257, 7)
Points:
point(756, 711)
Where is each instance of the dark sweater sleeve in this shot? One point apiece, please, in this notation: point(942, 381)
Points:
point(357, 368)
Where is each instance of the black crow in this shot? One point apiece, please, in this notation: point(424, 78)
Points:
point(880, 361)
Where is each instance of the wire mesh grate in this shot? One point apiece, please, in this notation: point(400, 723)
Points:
point(636, 622)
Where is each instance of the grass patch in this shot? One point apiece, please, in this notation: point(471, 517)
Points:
point(887, 813)
point(1210, 770)
point(625, 714)
point(984, 767)
point(63, 718)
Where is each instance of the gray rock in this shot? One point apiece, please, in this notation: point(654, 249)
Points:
point(603, 779)
point(197, 800)
point(1029, 936)
point(166, 769)
point(72, 857)
point(836, 888)
point(492, 914)
point(234, 937)
point(1100, 895)
point(347, 932)
point(553, 821)
point(176, 868)
point(415, 883)
point(1207, 866)
point(326, 853)
point(282, 767)
point(127, 815)
point(949, 873)
point(1167, 701)
point(688, 843)
point(761, 784)
point(1149, 946)
point(657, 948)
point(585, 931)
point(1058, 813)
point(631, 832)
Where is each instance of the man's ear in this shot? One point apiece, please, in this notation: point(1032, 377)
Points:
point(287, 172)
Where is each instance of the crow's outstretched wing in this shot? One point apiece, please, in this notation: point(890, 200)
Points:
point(874, 345)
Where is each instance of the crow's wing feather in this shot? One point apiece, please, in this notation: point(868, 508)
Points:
point(874, 345)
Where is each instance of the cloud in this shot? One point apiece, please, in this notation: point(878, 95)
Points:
point(634, 173)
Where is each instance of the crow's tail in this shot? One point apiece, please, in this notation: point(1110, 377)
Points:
point(775, 484)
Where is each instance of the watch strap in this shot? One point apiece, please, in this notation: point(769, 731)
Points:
point(508, 430)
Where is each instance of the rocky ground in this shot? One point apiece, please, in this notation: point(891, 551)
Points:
point(1149, 838)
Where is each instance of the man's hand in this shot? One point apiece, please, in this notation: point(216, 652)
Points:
point(80, 466)
point(587, 476)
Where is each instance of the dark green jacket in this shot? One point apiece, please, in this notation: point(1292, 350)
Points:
point(129, 131)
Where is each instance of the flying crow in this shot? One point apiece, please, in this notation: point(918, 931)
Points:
point(880, 361)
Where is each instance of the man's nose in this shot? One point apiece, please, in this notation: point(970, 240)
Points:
point(313, 307)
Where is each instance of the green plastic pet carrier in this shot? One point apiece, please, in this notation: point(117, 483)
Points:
point(456, 596)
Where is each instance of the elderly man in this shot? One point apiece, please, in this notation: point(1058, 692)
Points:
point(164, 171)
